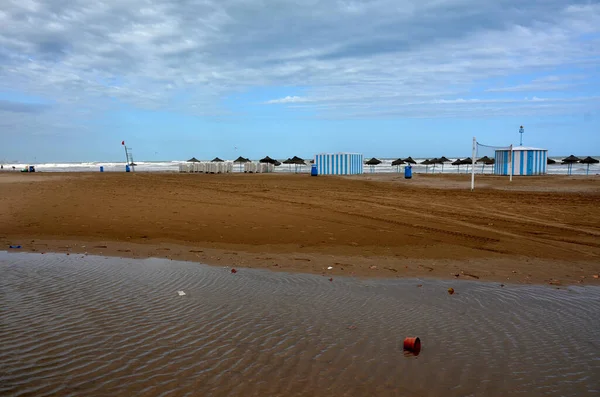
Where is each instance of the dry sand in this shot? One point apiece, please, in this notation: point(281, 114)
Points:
point(533, 230)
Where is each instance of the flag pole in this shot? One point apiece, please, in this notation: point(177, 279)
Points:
point(126, 154)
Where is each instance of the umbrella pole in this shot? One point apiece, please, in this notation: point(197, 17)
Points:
point(588, 169)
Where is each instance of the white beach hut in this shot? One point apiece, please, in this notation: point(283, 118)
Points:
point(339, 163)
point(525, 161)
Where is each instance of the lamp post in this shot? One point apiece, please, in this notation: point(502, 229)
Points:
point(521, 131)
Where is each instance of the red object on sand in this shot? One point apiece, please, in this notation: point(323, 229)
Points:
point(330, 279)
point(233, 271)
point(412, 344)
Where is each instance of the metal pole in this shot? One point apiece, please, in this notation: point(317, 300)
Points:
point(473, 164)
point(511, 162)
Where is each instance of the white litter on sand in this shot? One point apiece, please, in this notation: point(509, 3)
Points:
point(181, 293)
point(330, 267)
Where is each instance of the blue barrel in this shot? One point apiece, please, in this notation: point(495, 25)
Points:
point(127, 168)
point(313, 170)
point(31, 168)
point(408, 172)
point(101, 168)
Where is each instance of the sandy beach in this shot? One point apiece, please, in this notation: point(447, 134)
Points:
point(534, 230)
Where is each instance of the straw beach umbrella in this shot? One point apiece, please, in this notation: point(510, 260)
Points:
point(589, 160)
point(485, 160)
point(193, 160)
point(468, 161)
point(570, 161)
point(289, 162)
point(240, 160)
point(427, 162)
point(372, 163)
point(443, 160)
point(457, 162)
point(298, 162)
point(397, 164)
point(409, 160)
point(217, 160)
point(549, 161)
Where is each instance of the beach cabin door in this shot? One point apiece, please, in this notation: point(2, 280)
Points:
point(529, 163)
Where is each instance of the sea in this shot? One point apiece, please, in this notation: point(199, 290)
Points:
point(384, 167)
point(94, 326)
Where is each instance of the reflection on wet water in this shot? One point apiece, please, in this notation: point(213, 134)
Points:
point(76, 326)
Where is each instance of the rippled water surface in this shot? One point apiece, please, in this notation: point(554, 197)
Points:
point(74, 326)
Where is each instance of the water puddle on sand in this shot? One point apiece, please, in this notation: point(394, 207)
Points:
point(87, 326)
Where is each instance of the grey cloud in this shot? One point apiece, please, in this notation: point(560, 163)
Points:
point(348, 53)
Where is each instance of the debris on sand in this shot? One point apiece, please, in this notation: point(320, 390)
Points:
point(180, 293)
point(451, 291)
point(596, 276)
point(372, 267)
point(233, 271)
point(330, 279)
point(329, 267)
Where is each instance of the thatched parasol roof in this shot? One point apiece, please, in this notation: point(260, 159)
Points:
point(397, 162)
point(268, 160)
point(468, 160)
point(217, 160)
point(550, 161)
point(570, 159)
point(298, 160)
point(193, 160)
point(289, 161)
point(373, 161)
point(426, 162)
point(457, 162)
point(589, 160)
point(486, 160)
point(241, 160)
point(409, 160)
point(443, 159)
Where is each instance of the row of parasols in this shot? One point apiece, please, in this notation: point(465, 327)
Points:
point(485, 160)
point(569, 161)
point(296, 161)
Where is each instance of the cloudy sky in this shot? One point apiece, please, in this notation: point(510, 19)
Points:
point(181, 78)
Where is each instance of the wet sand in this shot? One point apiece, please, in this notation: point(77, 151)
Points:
point(533, 230)
point(91, 326)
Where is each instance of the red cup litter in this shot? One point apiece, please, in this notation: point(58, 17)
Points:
point(412, 344)
point(233, 271)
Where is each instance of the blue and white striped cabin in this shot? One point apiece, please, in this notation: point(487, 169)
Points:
point(339, 163)
point(526, 161)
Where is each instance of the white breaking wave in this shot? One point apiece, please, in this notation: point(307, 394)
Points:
point(384, 167)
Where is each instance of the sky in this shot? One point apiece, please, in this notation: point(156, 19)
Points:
point(206, 78)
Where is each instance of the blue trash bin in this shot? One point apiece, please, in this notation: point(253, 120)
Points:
point(127, 168)
point(408, 172)
point(313, 170)
point(101, 168)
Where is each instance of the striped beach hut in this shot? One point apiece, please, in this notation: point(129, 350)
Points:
point(339, 163)
point(527, 161)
